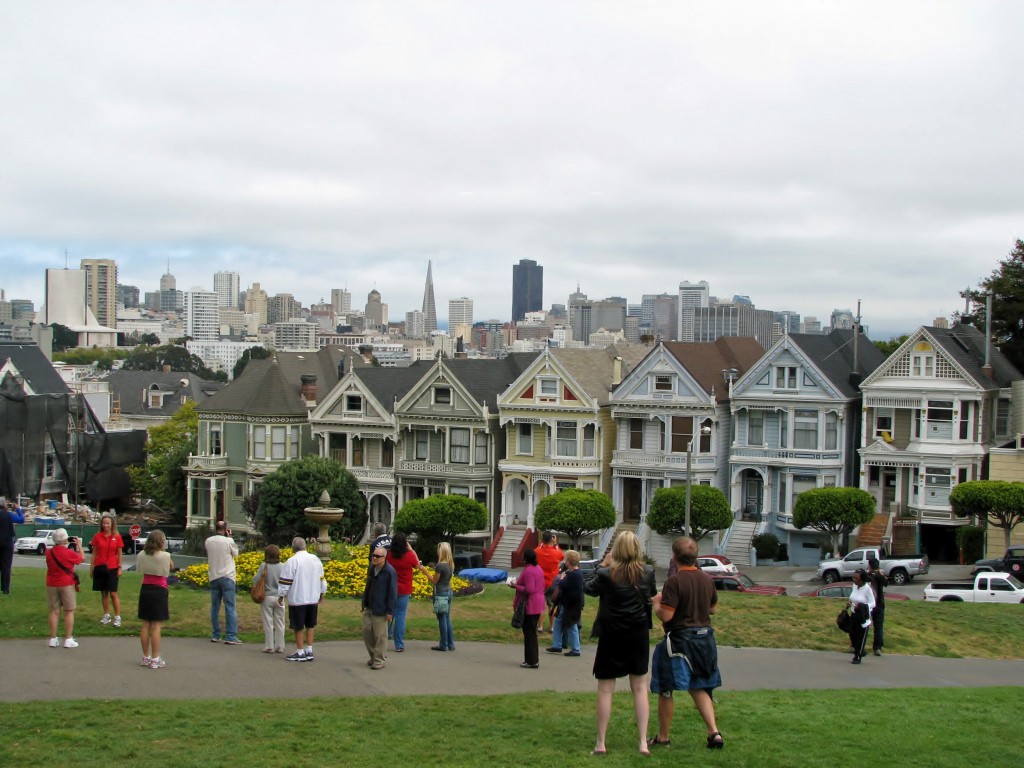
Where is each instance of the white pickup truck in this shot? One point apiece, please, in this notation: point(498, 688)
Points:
point(900, 570)
point(38, 542)
point(986, 588)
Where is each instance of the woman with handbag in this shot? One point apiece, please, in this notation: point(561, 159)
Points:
point(529, 589)
point(271, 611)
point(625, 586)
point(441, 578)
point(105, 567)
point(862, 603)
point(155, 565)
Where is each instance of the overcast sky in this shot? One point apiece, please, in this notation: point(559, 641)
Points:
point(808, 155)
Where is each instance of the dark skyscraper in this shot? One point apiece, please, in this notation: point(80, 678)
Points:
point(527, 288)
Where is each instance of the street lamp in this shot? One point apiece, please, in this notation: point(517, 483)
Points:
point(705, 430)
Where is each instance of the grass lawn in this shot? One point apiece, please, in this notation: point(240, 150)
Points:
point(903, 727)
point(912, 627)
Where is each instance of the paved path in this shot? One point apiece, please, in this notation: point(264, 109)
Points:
point(198, 669)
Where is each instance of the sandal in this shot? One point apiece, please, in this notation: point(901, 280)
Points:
point(656, 742)
point(715, 741)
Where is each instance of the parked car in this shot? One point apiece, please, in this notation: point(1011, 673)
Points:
point(842, 589)
point(986, 588)
point(716, 564)
point(38, 542)
point(740, 582)
point(900, 570)
point(1012, 562)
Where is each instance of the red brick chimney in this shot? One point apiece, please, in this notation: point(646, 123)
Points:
point(308, 388)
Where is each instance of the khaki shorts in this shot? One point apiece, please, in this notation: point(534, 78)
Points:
point(61, 597)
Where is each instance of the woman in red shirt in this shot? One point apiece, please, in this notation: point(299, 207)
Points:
point(404, 560)
point(105, 567)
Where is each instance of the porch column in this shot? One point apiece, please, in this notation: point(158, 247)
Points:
point(188, 501)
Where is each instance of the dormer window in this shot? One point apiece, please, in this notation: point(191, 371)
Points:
point(785, 377)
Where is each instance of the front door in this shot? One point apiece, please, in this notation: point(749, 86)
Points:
point(632, 497)
point(753, 495)
point(888, 490)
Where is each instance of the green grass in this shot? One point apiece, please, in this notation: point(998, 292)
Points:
point(909, 727)
point(912, 627)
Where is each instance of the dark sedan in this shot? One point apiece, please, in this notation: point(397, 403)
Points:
point(740, 582)
point(842, 589)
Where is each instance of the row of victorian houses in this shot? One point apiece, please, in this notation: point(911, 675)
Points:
point(812, 411)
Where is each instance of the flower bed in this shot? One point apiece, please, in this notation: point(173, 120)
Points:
point(345, 573)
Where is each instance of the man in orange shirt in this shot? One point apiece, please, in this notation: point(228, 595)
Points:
point(549, 556)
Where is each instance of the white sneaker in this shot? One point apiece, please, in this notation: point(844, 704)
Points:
point(70, 643)
point(54, 642)
point(145, 661)
point(157, 663)
point(117, 621)
point(106, 619)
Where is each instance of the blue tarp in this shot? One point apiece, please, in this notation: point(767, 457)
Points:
point(489, 575)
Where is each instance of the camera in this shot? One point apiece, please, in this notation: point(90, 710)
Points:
point(73, 543)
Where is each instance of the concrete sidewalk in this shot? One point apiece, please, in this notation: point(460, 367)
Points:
point(108, 668)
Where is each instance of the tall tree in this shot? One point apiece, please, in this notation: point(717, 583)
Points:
point(998, 502)
point(167, 449)
point(575, 512)
point(1006, 283)
point(833, 511)
point(709, 511)
point(252, 353)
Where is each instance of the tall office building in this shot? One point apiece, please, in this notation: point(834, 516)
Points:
point(429, 308)
point(256, 303)
point(842, 319)
point(341, 300)
point(588, 316)
point(202, 319)
point(460, 312)
point(414, 324)
point(527, 288)
point(225, 285)
point(171, 299)
point(101, 289)
point(282, 308)
point(375, 314)
point(128, 296)
point(692, 297)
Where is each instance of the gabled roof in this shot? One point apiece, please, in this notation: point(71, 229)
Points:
point(486, 379)
point(129, 387)
point(832, 354)
point(966, 344)
point(273, 387)
point(593, 369)
point(38, 373)
point(389, 385)
point(705, 360)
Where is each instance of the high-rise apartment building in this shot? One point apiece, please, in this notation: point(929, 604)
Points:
point(225, 285)
point(101, 289)
point(692, 296)
point(282, 307)
point(429, 308)
point(460, 312)
point(256, 303)
point(527, 288)
point(341, 300)
point(202, 319)
point(415, 324)
point(128, 296)
point(587, 316)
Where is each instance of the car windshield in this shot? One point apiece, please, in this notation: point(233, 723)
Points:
point(1014, 582)
point(42, 534)
point(745, 580)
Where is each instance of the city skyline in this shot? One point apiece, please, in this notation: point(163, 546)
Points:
point(809, 156)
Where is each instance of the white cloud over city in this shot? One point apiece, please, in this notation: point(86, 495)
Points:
point(808, 155)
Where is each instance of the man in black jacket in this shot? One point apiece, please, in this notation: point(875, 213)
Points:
point(379, 600)
point(878, 582)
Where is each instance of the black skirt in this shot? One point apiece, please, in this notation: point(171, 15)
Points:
point(153, 603)
point(623, 654)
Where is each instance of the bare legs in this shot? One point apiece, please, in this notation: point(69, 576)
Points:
point(107, 598)
point(149, 636)
point(641, 709)
point(701, 700)
point(69, 623)
point(303, 638)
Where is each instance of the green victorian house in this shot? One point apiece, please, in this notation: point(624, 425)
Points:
point(255, 424)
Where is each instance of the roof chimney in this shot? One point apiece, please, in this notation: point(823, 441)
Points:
point(616, 371)
point(308, 388)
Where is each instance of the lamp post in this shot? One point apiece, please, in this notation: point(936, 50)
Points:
point(689, 475)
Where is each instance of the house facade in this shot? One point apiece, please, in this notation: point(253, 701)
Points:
point(796, 426)
point(255, 424)
point(932, 412)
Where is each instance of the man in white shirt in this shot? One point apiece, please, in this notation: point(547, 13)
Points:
point(302, 582)
point(221, 552)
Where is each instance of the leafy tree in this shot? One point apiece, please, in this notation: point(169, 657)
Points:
point(834, 511)
point(890, 346)
point(709, 511)
point(297, 484)
point(252, 353)
point(167, 449)
point(149, 338)
point(63, 338)
point(1007, 286)
point(440, 517)
point(998, 502)
point(575, 512)
point(146, 358)
point(103, 358)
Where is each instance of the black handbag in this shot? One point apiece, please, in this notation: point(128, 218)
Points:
point(844, 620)
point(519, 613)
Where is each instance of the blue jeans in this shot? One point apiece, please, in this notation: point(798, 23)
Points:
point(444, 628)
point(563, 634)
point(396, 630)
point(223, 589)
